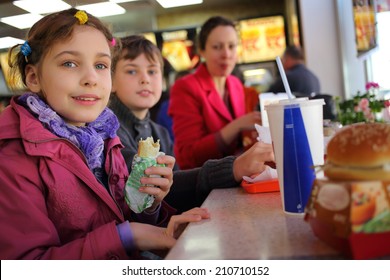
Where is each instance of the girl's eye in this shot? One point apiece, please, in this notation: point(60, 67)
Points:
point(69, 64)
point(101, 66)
point(152, 72)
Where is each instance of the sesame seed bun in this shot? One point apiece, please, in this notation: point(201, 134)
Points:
point(359, 152)
point(148, 148)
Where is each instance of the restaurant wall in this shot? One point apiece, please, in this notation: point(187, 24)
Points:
point(328, 34)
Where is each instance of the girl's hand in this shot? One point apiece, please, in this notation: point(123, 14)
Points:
point(161, 177)
point(148, 237)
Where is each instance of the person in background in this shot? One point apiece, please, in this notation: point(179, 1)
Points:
point(302, 81)
point(62, 175)
point(136, 88)
point(137, 82)
point(208, 106)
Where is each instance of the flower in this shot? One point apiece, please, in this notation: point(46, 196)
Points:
point(363, 107)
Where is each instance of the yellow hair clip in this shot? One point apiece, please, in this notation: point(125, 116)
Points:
point(81, 16)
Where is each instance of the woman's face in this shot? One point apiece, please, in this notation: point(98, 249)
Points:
point(75, 77)
point(220, 51)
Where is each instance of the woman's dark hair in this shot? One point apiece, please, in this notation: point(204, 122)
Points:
point(209, 26)
point(44, 34)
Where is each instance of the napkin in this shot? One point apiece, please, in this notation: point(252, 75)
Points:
point(264, 135)
point(268, 174)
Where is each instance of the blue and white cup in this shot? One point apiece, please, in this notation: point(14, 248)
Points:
point(296, 128)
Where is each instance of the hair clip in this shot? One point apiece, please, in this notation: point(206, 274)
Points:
point(81, 16)
point(25, 49)
point(113, 42)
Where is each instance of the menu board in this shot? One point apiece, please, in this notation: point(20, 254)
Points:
point(178, 49)
point(365, 24)
point(14, 83)
point(262, 39)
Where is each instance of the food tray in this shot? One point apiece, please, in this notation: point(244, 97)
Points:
point(259, 187)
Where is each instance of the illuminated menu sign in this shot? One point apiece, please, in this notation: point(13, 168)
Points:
point(262, 39)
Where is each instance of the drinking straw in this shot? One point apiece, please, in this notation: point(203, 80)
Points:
point(284, 78)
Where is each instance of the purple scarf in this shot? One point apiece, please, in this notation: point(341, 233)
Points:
point(89, 139)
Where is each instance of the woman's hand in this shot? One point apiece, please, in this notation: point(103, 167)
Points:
point(253, 160)
point(232, 130)
point(148, 237)
point(160, 176)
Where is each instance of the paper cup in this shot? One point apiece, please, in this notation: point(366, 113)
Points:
point(298, 140)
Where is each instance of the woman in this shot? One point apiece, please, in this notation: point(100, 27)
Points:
point(207, 107)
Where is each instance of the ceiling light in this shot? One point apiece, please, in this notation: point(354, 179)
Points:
point(103, 9)
point(42, 6)
point(176, 3)
point(123, 1)
point(7, 42)
point(21, 21)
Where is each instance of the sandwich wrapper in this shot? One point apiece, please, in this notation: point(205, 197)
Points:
point(267, 180)
point(351, 216)
point(136, 200)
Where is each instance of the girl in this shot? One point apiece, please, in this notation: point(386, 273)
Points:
point(61, 171)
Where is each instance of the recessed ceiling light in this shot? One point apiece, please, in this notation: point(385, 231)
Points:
point(42, 6)
point(123, 1)
point(21, 21)
point(177, 3)
point(103, 9)
point(7, 42)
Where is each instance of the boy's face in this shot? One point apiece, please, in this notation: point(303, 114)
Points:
point(75, 76)
point(138, 84)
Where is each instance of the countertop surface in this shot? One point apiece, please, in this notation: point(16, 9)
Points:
point(249, 226)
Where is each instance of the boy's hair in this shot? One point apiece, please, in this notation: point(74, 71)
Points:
point(135, 45)
point(45, 33)
point(209, 26)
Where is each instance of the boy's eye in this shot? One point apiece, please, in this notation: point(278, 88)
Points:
point(131, 72)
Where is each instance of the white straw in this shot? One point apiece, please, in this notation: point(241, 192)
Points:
point(284, 78)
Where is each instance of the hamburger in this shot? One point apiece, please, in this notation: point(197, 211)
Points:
point(350, 208)
point(359, 152)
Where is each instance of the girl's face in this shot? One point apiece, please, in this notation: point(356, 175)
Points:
point(220, 51)
point(138, 84)
point(74, 76)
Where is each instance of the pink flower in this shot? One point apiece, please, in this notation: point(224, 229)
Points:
point(364, 103)
point(371, 85)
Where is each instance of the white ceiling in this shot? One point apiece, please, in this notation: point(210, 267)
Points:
point(139, 16)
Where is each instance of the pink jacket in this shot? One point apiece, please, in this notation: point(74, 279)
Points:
point(51, 205)
point(198, 113)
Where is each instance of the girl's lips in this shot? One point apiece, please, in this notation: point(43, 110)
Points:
point(86, 100)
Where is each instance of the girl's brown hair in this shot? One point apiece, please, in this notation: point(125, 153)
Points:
point(44, 34)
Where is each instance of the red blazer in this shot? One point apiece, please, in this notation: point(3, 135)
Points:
point(198, 113)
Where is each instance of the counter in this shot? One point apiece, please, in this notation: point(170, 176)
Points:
point(249, 226)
